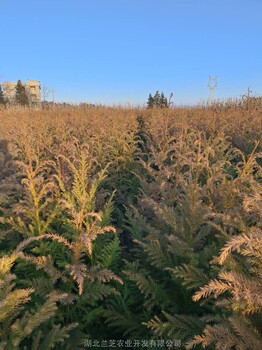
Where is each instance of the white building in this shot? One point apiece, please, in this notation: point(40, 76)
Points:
point(33, 89)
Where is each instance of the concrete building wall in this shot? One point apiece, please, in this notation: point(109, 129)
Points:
point(33, 89)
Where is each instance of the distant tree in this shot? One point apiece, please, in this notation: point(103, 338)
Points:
point(21, 95)
point(45, 93)
point(158, 101)
point(3, 100)
point(163, 101)
point(150, 102)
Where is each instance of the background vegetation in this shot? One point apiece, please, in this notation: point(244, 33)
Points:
point(131, 224)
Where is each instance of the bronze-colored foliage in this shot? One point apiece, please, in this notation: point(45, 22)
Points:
point(145, 223)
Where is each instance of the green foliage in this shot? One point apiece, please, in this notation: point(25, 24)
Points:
point(240, 277)
point(158, 101)
point(3, 100)
point(18, 324)
point(21, 95)
point(179, 225)
point(130, 225)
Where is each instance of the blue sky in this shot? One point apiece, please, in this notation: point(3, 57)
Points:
point(118, 51)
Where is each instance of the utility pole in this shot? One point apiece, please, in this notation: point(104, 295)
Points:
point(53, 94)
point(169, 101)
point(247, 97)
point(212, 84)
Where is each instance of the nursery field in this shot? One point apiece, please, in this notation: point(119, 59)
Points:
point(131, 228)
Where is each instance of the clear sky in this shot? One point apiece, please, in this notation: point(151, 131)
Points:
point(118, 51)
